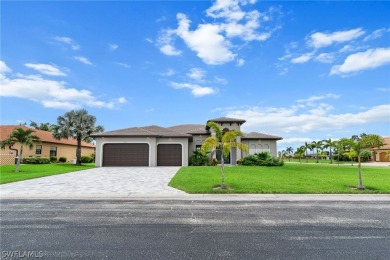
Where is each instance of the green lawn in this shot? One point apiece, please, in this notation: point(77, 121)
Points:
point(291, 178)
point(31, 171)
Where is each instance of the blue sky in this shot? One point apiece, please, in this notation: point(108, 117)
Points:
point(304, 70)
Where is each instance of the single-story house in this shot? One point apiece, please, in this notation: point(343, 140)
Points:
point(171, 146)
point(382, 154)
point(47, 147)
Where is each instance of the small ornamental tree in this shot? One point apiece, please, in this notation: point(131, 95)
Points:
point(361, 143)
point(223, 142)
point(24, 137)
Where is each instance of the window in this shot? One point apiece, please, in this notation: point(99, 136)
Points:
point(197, 147)
point(38, 149)
point(266, 148)
point(53, 151)
point(259, 148)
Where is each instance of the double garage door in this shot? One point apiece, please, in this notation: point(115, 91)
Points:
point(137, 154)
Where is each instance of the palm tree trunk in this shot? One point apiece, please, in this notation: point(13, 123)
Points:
point(223, 171)
point(360, 187)
point(78, 152)
point(330, 154)
point(17, 168)
point(307, 159)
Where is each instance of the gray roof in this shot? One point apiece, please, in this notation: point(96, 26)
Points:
point(255, 135)
point(189, 129)
point(145, 131)
point(226, 120)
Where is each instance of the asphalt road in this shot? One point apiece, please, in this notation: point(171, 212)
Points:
point(144, 229)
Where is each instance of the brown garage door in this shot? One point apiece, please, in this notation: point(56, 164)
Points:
point(169, 155)
point(126, 155)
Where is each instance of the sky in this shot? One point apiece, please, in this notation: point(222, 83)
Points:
point(302, 70)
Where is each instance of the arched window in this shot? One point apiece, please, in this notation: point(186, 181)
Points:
point(259, 148)
point(266, 148)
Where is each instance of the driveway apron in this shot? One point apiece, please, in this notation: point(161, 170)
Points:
point(104, 181)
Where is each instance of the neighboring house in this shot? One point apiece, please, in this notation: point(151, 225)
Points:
point(171, 146)
point(48, 146)
point(382, 154)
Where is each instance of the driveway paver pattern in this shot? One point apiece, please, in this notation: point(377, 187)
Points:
point(112, 181)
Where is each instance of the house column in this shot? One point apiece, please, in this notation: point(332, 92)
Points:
point(153, 151)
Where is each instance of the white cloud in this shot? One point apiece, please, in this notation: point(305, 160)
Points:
point(211, 41)
point(356, 62)
point(206, 41)
point(4, 68)
point(83, 60)
point(197, 74)
point(51, 93)
point(45, 69)
point(121, 100)
point(220, 80)
point(196, 90)
point(165, 43)
point(317, 98)
point(240, 62)
point(113, 46)
point(303, 58)
point(67, 41)
point(170, 50)
point(376, 34)
point(226, 9)
point(170, 72)
point(124, 65)
point(325, 58)
point(321, 39)
point(383, 89)
point(279, 120)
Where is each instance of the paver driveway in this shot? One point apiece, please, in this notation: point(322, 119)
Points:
point(105, 181)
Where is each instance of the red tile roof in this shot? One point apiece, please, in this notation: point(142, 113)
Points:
point(45, 136)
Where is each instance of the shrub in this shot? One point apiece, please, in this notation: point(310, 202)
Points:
point(53, 159)
point(198, 159)
point(86, 159)
point(365, 156)
point(213, 162)
point(36, 160)
point(62, 159)
point(260, 159)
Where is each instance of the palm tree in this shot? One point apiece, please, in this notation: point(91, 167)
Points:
point(24, 137)
point(317, 145)
point(77, 124)
point(289, 151)
point(365, 141)
point(223, 142)
point(41, 126)
point(329, 144)
point(307, 146)
point(300, 151)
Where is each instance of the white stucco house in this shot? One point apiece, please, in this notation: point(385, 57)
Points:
point(171, 146)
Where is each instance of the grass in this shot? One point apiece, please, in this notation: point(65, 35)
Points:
point(32, 171)
point(291, 178)
point(312, 160)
